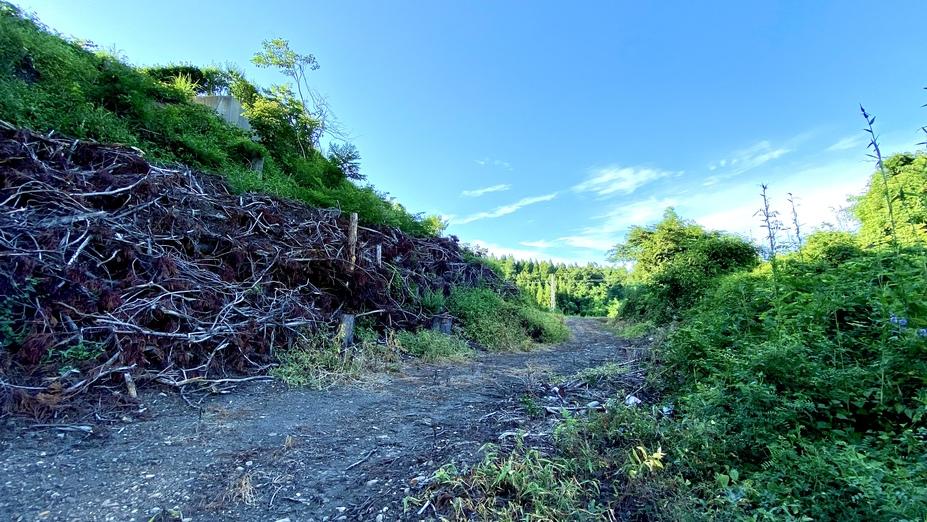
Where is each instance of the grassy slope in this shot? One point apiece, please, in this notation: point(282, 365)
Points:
point(50, 84)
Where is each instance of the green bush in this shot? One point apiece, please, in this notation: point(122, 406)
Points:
point(315, 363)
point(676, 263)
point(906, 177)
point(432, 346)
point(498, 324)
point(540, 325)
point(820, 394)
point(632, 330)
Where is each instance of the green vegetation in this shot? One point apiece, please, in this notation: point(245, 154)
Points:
point(906, 177)
point(50, 84)
point(432, 346)
point(503, 324)
point(587, 290)
point(631, 330)
point(792, 389)
point(675, 263)
point(318, 361)
point(522, 485)
point(599, 373)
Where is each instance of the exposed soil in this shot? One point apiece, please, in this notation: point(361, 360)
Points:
point(266, 452)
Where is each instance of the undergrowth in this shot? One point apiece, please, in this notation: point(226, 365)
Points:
point(631, 329)
point(498, 323)
point(432, 346)
point(320, 361)
point(792, 388)
point(520, 485)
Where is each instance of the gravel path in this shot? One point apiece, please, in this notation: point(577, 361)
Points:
point(269, 453)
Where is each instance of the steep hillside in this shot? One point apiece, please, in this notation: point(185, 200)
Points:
point(48, 83)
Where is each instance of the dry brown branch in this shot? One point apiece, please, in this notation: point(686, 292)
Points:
point(115, 270)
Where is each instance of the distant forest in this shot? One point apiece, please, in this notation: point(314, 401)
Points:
point(587, 290)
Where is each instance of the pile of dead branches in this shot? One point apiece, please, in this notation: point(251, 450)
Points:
point(111, 268)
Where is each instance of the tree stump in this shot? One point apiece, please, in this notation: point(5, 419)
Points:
point(442, 324)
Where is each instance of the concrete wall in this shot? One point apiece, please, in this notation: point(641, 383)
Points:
point(227, 107)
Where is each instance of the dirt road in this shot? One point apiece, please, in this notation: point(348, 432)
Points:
point(269, 453)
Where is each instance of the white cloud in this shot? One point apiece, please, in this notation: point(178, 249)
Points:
point(537, 244)
point(518, 253)
point(505, 209)
point(475, 193)
point(819, 191)
point(643, 212)
point(855, 141)
point(614, 224)
point(747, 159)
point(614, 180)
point(591, 242)
point(505, 165)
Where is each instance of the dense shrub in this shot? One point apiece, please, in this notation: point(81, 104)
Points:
point(675, 263)
point(819, 394)
point(906, 182)
point(499, 324)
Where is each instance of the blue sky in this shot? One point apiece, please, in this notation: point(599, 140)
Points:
point(546, 129)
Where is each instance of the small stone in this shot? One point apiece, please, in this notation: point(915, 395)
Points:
point(593, 405)
point(372, 482)
point(632, 401)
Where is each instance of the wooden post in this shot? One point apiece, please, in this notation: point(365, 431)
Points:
point(442, 324)
point(379, 255)
point(130, 385)
point(346, 331)
point(352, 241)
point(552, 282)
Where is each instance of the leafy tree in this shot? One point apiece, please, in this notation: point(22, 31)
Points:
point(675, 263)
point(276, 53)
point(346, 156)
point(434, 225)
point(649, 248)
point(280, 120)
point(907, 191)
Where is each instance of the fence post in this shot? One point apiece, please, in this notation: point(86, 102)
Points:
point(352, 242)
point(552, 282)
point(346, 331)
point(442, 323)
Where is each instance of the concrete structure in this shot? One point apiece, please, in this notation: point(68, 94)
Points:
point(227, 107)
